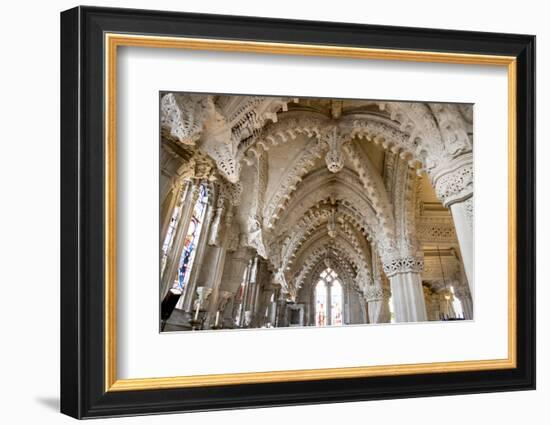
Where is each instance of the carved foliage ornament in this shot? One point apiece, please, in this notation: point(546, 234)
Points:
point(403, 265)
point(334, 158)
point(375, 293)
point(182, 116)
point(455, 182)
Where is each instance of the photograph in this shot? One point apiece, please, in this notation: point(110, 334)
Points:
point(280, 212)
point(292, 208)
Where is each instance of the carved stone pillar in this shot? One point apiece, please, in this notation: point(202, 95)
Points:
point(236, 264)
point(266, 305)
point(245, 314)
point(187, 299)
point(280, 317)
point(272, 306)
point(346, 305)
point(377, 299)
point(217, 263)
point(329, 303)
point(217, 266)
point(357, 306)
point(245, 295)
point(201, 303)
point(252, 285)
point(214, 234)
point(167, 208)
point(454, 186)
point(174, 255)
point(377, 294)
point(223, 300)
point(406, 289)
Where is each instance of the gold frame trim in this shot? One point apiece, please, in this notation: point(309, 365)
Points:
point(113, 41)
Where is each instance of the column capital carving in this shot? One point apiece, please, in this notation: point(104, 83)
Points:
point(454, 180)
point(183, 116)
point(203, 293)
point(409, 264)
point(375, 293)
point(223, 299)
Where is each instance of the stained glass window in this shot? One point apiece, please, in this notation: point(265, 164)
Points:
point(192, 239)
point(336, 303)
point(328, 311)
point(321, 303)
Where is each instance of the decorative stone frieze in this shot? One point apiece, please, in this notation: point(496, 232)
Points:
point(436, 229)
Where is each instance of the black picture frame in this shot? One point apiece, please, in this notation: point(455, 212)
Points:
point(83, 392)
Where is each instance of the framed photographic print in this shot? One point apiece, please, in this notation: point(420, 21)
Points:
point(261, 212)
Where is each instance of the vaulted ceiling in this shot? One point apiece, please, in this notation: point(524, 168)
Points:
point(322, 179)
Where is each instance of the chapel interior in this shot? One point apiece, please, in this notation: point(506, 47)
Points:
point(281, 212)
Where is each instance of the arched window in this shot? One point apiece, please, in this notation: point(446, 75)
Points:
point(321, 303)
point(329, 299)
point(192, 238)
point(336, 303)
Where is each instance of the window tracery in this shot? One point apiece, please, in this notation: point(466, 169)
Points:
point(328, 299)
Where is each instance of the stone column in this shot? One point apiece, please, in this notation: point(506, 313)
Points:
point(174, 255)
point(267, 306)
point(406, 288)
point(463, 219)
point(377, 293)
point(364, 311)
point(187, 301)
point(281, 310)
point(377, 299)
point(244, 299)
point(252, 286)
point(454, 186)
point(329, 303)
point(347, 305)
point(201, 303)
point(219, 262)
point(463, 294)
point(357, 306)
point(236, 262)
point(223, 300)
point(167, 208)
point(272, 311)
